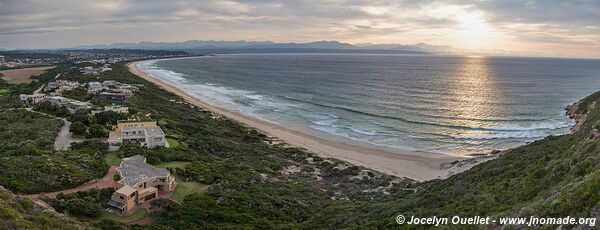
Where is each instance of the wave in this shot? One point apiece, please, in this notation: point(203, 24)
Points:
point(542, 126)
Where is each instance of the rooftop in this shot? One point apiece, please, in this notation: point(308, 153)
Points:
point(134, 170)
point(126, 190)
point(150, 131)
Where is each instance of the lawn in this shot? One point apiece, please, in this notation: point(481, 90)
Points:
point(112, 159)
point(186, 188)
point(173, 143)
point(141, 214)
point(173, 164)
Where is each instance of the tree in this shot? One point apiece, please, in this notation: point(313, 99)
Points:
point(78, 128)
point(96, 131)
point(109, 117)
point(82, 116)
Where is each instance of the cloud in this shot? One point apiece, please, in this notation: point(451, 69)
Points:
point(64, 23)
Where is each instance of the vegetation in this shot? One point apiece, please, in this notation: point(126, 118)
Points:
point(173, 164)
point(36, 170)
point(22, 130)
point(185, 188)
point(97, 131)
point(78, 128)
point(139, 215)
point(112, 159)
point(81, 204)
point(22, 213)
point(79, 94)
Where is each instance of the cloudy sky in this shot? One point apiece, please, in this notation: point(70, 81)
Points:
point(548, 27)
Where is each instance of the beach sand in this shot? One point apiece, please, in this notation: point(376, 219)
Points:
point(20, 76)
point(419, 166)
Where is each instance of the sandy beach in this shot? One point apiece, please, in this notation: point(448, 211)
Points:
point(419, 166)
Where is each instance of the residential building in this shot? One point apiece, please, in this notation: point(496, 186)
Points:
point(33, 98)
point(114, 108)
point(139, 183)
point(72, 105)
point(126, 92)
point(145, 133)
point(77, 105)
point(59, 101)
point(115, 97)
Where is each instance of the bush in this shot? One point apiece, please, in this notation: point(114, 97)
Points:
point(96, 131)
point(78, 128)
point(82, 116)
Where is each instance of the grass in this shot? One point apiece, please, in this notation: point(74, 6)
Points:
point(112, 159)
point(4, 91)
point(141, 214)
point(173, 164)
point(186, 188)
point(173, 143)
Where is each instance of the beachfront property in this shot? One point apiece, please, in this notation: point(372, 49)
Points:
point(146, 133)
point(33, 98)
point(139, 183)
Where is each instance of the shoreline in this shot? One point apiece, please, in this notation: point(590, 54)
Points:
point(420, 166)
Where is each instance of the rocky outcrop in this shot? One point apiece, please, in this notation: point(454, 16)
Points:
point(575, 113)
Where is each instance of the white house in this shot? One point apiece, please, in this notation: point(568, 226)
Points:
point(33, 98)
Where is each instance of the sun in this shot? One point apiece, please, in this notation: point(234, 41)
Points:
point(473, 29)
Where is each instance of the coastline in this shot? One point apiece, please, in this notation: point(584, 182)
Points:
point(419, 166)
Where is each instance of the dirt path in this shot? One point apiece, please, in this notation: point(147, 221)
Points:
point(63, 140)
point(37, 91)
point(105, 182)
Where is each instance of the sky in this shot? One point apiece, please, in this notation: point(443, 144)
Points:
point(547, 28)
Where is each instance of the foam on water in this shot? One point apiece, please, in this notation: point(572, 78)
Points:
point(416, 112)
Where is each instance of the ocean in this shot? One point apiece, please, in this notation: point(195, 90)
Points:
point(441, 104)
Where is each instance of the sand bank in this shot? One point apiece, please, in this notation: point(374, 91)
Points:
point(415, 165)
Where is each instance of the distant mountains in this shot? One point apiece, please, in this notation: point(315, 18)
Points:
point(212, 46)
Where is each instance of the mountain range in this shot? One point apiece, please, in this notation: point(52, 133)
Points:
point(269, 46)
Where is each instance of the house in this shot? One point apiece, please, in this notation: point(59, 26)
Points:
point(114, 108)
point(126, 92)
point(59, 101)
point(145, 133)
point(117, 108)
point(33, 98)
point(89, 70)
point(77, 105)
point(94, 91)
point(139, 183)
point(96, 86)
point(107, 96)
point(72, 105)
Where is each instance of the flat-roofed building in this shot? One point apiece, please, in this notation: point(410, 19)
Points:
point(145, 133)
point(33, 98)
